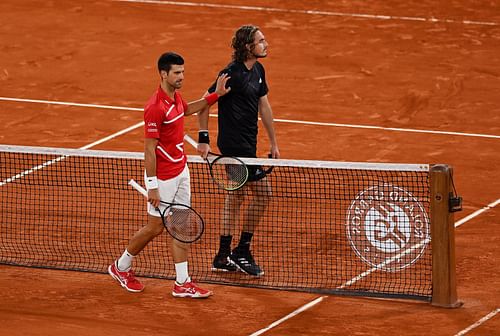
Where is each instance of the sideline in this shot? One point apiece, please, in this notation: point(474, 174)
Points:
point(366, 273)
point(290, 121)
point(479, 322)
point(312, 12)
point(60, 158)
point(477, 213)
point(292, 314)
point(315, 301)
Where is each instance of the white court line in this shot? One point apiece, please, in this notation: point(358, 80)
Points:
point(384, 263)
point(477, 213)
point(479, 322)
point(388, 261)
point(289, 316)
point(304, 307)
point(60, 158)
point(114, 135)
point(311, 12)
point(395, 129)
point(52, 102)
point(302, 122)
point(347, 283)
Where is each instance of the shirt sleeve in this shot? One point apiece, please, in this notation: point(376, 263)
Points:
point(263, 90)
point(184, 105)
point(153, 119)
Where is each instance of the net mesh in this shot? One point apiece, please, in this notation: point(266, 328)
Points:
point(327, 227)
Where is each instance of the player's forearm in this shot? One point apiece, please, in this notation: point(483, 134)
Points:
point(196, 106)
point(202, 105)
point(150, 157)
point(266, 115)
point(203, 119)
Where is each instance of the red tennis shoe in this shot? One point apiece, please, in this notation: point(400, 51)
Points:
point(126, 279)
point(190, 290)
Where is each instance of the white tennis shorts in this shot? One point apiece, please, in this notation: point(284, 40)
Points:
point(174, 190)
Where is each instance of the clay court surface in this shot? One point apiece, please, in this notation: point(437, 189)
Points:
point(425, 66)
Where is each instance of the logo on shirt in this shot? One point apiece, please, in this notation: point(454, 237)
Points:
point(260, 80)
point(151, 124)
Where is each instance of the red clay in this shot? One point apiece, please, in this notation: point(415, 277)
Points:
point(341, 69)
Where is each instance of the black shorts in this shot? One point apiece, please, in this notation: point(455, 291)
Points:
point(255, 172)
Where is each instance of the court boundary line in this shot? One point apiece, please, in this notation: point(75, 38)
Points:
point(279, 120)
point(62, 157)
point(289, 316)
point(477, 213)
point(298, 310)
point(387, 261)
point(312, 12)
point(478, 322)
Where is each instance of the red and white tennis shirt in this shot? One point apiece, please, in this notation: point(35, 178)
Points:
point(164, 120)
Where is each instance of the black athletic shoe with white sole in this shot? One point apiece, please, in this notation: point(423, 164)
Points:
point(245, 262)
point(222, 263)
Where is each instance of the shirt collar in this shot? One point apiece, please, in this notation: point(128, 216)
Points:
point(163, 95)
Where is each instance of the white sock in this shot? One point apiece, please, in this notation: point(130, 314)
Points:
point(125, 261)
point(181, 271)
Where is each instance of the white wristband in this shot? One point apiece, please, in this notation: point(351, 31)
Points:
point(151, 182)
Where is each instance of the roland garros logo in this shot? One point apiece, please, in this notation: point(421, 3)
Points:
point(387, 227)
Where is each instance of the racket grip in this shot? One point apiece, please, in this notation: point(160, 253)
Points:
point(190, 141)
point(138, 187)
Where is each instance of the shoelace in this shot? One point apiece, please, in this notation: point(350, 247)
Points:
point(190, 287)
point(130, 277)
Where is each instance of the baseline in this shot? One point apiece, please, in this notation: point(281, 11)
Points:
point(302, 122)
point(312, 12)
point(479, 322)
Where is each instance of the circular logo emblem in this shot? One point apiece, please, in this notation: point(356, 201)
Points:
point(387, 227)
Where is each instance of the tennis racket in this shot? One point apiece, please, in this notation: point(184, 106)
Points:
point(182, 222)
point(228, 172)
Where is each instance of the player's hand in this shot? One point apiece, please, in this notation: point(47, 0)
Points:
point(220, 87)
point(154, 197)
point(203, 149)
point(275, 152)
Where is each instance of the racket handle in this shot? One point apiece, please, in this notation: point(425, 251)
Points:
point(191, 141)
point(138, 187)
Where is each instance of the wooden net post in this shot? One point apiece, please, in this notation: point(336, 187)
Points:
point(444, 287)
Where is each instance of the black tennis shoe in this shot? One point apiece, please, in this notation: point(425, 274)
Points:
point(245, 263)
point(222, 263)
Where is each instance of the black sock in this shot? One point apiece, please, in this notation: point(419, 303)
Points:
point(245, 239)
point(225, 245)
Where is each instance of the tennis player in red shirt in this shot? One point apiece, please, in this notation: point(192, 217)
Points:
point(166, 172)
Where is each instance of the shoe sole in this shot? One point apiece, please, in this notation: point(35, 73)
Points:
point(230, 263)
point(191, 296)
point(215, 269)
point(121, 283)
point(242, 270)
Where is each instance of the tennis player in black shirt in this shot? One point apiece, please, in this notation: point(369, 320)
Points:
point(238, 126)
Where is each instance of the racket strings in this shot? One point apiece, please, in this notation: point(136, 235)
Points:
point(229, 172)
point(184, 224)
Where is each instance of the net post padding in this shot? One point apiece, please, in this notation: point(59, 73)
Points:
point(444, 288)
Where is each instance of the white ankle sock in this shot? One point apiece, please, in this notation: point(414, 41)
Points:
point(181, 271)
point(125, 261)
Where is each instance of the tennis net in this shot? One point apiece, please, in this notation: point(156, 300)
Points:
point(328, 227)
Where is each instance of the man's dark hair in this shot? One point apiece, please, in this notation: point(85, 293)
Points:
point(167, 59)
point(243, 36)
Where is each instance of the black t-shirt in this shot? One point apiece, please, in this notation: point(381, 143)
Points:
point(239, 109)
